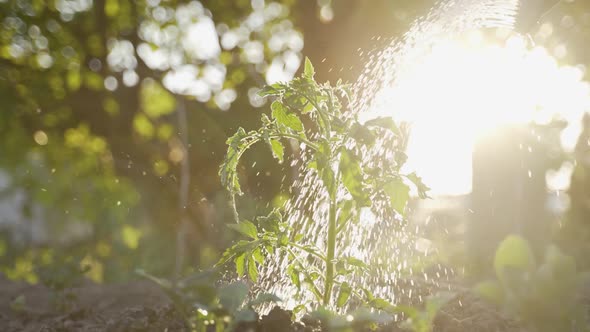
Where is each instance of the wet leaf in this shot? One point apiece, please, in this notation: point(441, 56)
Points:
point(398, 193)
point(420, 186)
point(385, 123)
point(362, 134)
point(252, 270)
point(263, 298)
point(293, 274)
point(308, 70)
point(232, 296)
point(344, 294)
point(352, 177)
point(278, 150)
point(246, 228)
point(355, 262)
point(228, 169)
point(327, 176)
point(382, 304)
point(346, 212)
point(240, 262)
point(245, 315)
point(257, 255)
point(272, 90)
point(290, 120)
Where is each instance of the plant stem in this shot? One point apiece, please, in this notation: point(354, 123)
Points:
point(297, 138)
point(183, 190)
point(313, 253)
point(331, 250)
point(314, 289)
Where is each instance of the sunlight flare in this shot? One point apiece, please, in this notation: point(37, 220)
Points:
point(469, 86)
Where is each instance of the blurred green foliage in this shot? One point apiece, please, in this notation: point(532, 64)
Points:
point(574, 235)
point(88, 130)
point(546, 296)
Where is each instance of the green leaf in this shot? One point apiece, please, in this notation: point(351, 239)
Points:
point(398, 193)
point(352, 177)
point(417, 181)
point(385, 123)
point(240, 262)
point(270, 249)
point(355, 262)
point(293, 274)
point(513, 256)
point(277, 149)
point(368, 295)
point(252, 270)
point(290, 120)
point(299, 309)
point(307, 108)
point(227, 255)
point(228, 169)
point(346, 212)
point(490, 290)
point(308, 70)
point(362, 134)
point(236, 250)
point(257, 255)
point(327, 176)
point(272, 90)
point(382, 304)
point(344, 294)
point(232, 296)
point(245, 315)
point(271, 221)
point(246, 228)
point(283, 239)
point(263, 298)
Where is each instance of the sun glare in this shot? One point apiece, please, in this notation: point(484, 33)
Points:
point(469, 86)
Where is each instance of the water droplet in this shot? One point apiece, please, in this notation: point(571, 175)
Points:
point(41, 137)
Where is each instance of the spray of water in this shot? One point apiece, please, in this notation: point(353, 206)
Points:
point(379, 238)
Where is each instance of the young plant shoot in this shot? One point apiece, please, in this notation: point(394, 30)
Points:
point(334, 140)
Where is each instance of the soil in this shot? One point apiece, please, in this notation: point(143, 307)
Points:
point(137, 306)
point(466, 312)
point(142, 306)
